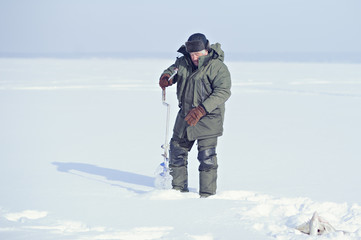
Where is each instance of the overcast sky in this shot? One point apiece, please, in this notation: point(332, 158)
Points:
point(155, 26)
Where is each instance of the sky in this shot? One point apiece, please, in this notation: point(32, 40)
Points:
point(161, 27)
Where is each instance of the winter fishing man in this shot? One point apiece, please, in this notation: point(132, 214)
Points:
point(203, 86)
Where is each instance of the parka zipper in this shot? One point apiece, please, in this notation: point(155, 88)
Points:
point(190, 76)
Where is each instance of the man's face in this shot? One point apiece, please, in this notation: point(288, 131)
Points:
point(195, 56)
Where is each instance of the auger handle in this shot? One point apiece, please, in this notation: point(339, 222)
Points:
point(170, 78)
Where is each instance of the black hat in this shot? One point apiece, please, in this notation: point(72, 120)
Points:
point(196, 42)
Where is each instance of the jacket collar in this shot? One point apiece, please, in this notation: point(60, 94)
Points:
point(202, 60)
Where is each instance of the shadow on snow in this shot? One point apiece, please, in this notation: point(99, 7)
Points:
point(108, 173)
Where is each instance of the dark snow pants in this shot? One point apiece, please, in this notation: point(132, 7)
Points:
point(207, 157)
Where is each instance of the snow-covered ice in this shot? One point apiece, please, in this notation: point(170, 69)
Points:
point(81, 139)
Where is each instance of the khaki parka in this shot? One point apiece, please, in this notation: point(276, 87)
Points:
point(208, 85)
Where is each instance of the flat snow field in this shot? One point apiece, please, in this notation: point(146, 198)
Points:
point(80, 140)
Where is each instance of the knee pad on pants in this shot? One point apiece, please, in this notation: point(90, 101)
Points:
point(207, 159)
point(177, 155)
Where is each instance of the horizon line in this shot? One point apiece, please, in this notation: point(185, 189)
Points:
point(332, 57)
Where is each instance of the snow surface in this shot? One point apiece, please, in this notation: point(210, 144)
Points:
point(80, 140)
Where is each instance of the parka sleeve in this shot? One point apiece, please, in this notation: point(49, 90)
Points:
point(221, 86)
point(170, 70)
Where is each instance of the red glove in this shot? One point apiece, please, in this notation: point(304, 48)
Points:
point(163, 81)
point(194, 115)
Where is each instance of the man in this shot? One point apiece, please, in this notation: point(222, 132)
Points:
point(203, 87)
